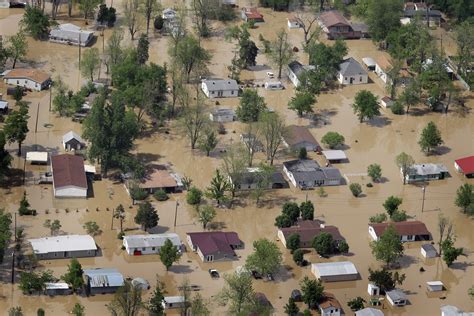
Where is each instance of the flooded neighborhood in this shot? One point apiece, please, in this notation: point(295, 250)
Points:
point(238, 157)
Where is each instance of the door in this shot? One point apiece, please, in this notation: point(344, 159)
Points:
point(351, 80)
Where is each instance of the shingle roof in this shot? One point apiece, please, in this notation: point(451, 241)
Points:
point(329, 300)
point(309, 170)
point(307, 230)
point(351, 67)
point(212, 242)
point(158, 177)
point(396, 295)
point(221, 85)
point(32, 74)
point(68, 170)
point(402, 228)
point(299, 134)
point(330, 18)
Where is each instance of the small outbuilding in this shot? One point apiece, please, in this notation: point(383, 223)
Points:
point(428, 251)
point(222, 115)
point(274, 85)
point(138, 245)
point(466, 166)
point(351, 72)
point(335, 271)
point(369, 63)
point(251, 15)
point(37, 157)
point(72, 141)
point(102, 281)
point(435, 286)
point(170, 302)
point(335, 156)
point(168, 14)
point(3, 107)
point(386, 102)
point(396, 297)
point(220, 88)
point(58, 288)
point(294, 23)
point(369, 311)
point(373, 289)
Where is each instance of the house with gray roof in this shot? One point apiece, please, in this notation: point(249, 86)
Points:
point(369, 311)
point(102, 281)
point(137, 245)
point(72, 140)
point(351, 72)
point(70, 34)
point(396, 297)
point(253, 178)
point(220, 88)
point(426, 172)
point(222, 115)
point(296, 70)
point(306, 174)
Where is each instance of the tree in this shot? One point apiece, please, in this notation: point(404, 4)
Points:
point(24, 208)
point(298, 257)
point(161, 195)
point(54, 226)
point(78, 310)
point(302, 153)
point(393, 77)
point(219, 185)
point(326, 60)
point(119, 213)
point(114, 51)
point(206, 214)
point(292, 210)
point(34, 282)
point(150, 7)
point(283, 221)
point(302, 103)
point(147, 216)
point(306, 20)
point(404, 162)
point(237, 291)
point(307, 210)
point(332, 139)
point(366, 105)
point(293, 242)
point(465, 196)
point(281, 52)
point(263, 178)
point(92, 228)
point(323, 244)
point(5, 158)
point(18, 47)
point(411, 95)
point(383, 17)
point(142, 49)
point(312, 291)
point(73, 276)
point(169, 254)
point(194, 121)
point(252, 140)
point(375, 172)
point(251, 106)
point(208, 141)
point(430, 138)
point(391, 204)
point(356, 304)
point(191, 56)
point(5, 232)
point(465, 47)
point(127, 301)
point(88, 7)
point(199, 306)
point(235, 161)
point(155, 306)
point(435, 81)
point(388, 248)
point(16, 126)
point(343, 247)
point(356, 189)
point(445, 226)
point(40, 312)
point(35, 22)
point(450, 253)
point(247, 50)
point(385, 279)
point(132, 16)
point(471, 292)
point(273, 128)
point(399, 216)
point(106, 16)
point(266, 258)
point(201, 10)
point(194, 196)
point(378, 218)
point(15, 311)
point(90, 63)
point(291, 309)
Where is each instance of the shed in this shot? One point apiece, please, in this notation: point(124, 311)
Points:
point(396, 297)
point(334, 156)
point(369, 311)
point(369, 63)
point(59, 288)
point(373, 289)
point(335, 271)
point(173, 302)
point(3, 106)
point(386, 102)
point(72, 141)
point(222, 115)
point(435, 286)
point(294, 23)
point(37, 157)
point(102, 281)
point(428, 251)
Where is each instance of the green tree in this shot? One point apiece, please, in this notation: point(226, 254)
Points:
point(263, 178)
point(88, 7)
point(366, 105)
point(5, 158)
point(191, 56)
point(137, 193)
point(291, 309)
point(388, 248)
point(235, 160)
point(302, 153)
point(40, 312)
point(114, 52)
point(375, 172)
point(293, 242)
point(15, 311)
point(127, 301)
point(251, 106)
point(471, 292)
point(200, 306)
point(169, 254)
point(312, 292)
point(399, 216)
point(147, 216)
point(343, 246)
point(391, 204)
point(332, 139)
point(161, 195)
point(149, 9)
point(237, 291)
point(298, 256)
point(465, 46)
point(18, 47)
point(208, 141)
point(356, 189)
point(292, 210)
point(430, 138)
point(90, 63)
point(247, 50)
point(404, 162)
point(5, 232)
point(465, 196)
point(194, 122)
point(78, 310)
point(34, 282)
point(383, 17)
point(273, 128)
point(302, 103)
point(281, 52)
point(266, 258)
point(411, 95)
point(326, 60)
point(323, 244)
point(92, 228)
point(219, 185)
point(378, 218)
point(74, 275)
point(356, 304)
point(385, 279)
point(283, 221)
point(119, 213)
point(16, 126)
point(206, 214)
point(35, 22)
point(194, 196)
point(155, 307)
point(142, 49)
point(307, 210)
point(435, 81)
point(24, 208)
point(54, 226)
point(450, 253)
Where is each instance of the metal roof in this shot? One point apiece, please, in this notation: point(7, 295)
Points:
point(62, 243)
point(104, 277)
point(72, 135)
point(223, 112)
point(56, 286)
point(396, 295)
point(3, 105)
point(451, 310)
point(368, 311)
point(334, 154)
point(153, 240)
point(173, 299)
point(221, 85)
point(427, 169)
point(71, 32)
point(41, 156)
point(335, 268)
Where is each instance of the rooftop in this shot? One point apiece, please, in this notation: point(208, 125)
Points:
point(158, 177)
point(334, 154)
point(451, 310)
point(223, 112)
point(71, 32)
point(35, 75)
point(221, 85)
point(368, 311)
point(427, 169)
point(72, 135)
point(56, 286)
point(428, 247)
point(252, 13)
point(68, 170)
point(396, 295)
point(351, 67)
point(402, 228)
point(299, 134)
point(41, 156)
point(212, 242)
point(62, 243)
point(369, 61)
point(297, 68)
point(3, 105)
point(466, 164)
point(104, 277)
point(329, 300)
point(173, 299)
point(307, 230)
point(153, 240)
point(335, 268)
point(331, 18)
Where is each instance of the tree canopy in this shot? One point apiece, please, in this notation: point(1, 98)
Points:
point(266, 258)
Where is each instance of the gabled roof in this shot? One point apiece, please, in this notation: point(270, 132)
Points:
point(212, 242)
point(221, 85)
point(331, 18)
point(403, 228)
point(351, 67)
point(334, 154)
point(309, 170)
point(158, 177)
point(31, 74)
point(329, 300)
point(299, 134)
point(466, 164)
point(62, 243)
point(72, 135)
point(71, 32)
point(297, 68)
point(307, 230)
point(68, 170)
point(252, 13)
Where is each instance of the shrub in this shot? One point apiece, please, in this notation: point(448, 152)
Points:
point(160, 195)
point(332, 139)
point(298, 257)
point(343, 247)
point(399, 216)
point(374, 171)
point(120, 235)
point(397, 108)
point(194, 196)
point(378, 218)
point(356, 189)
point(302, 154)
point(137, 193)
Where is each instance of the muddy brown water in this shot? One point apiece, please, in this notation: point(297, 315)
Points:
point(378, 142)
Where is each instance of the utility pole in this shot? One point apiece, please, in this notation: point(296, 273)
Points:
point(15, 226)
point(423, 202)
point(176, 214)
point(112, 226)
point(13, 267)
point(80, 32)
point(37, 114)
point(50, 94)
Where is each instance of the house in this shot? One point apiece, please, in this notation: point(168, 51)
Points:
point(369, 311)
point(428, 251)
point(102, 281)
point(252, 142)
point(435, 286)
point(307, 230)
point(408, 231)
point(66, 246)
point(168, 14)
point(434, 16)
point(396, 297)
point(37, 157)
point(296, 70)
point(220, 88)
point(386, 102)
point(335, 271)
point(69, 176)
point(383, 66)
point(158, 178)
point(70, 34)
point(137, 245)
point(426, 172)
point(334, 156)
point(58, 288)
point(336, 26)
point(251, 15)
point(293, 23)
point(329, 305)
point(351, 72)
point(3, 107)
point(369, 63)
point(466, 166)
point(451, 310)
point(31, 79)
point(214, 246)
point(373, 289)
point(297, 137)
point(72, 141)
point(222, 115)
point(252, 179)
point(170, 302)
point(306, 174)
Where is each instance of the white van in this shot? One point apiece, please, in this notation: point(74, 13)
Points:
point(273, 85)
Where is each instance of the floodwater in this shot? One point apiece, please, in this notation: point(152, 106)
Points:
point(376, 142)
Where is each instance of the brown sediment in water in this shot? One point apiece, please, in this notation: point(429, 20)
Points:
point(378, 142)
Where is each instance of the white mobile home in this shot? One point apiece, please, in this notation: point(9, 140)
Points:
point(67, 246)
point(335, 271)
point(70, 34)
point(31, 79)
point(138, 245)
point(173, 302)
point(220, 88)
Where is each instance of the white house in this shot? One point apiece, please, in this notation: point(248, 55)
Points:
point(31, 79)
point(351, 72)
point(369, 311)
point(70, 34)
point(293, 23)
point(451, 310)
point(220, 88)
point(295, 70)
point(72, 141)
point(222, 115)
point(396, 297)
point(69, 176)
point(335, 271)
point(408, 231)
point(66, 246)
point(435, 286)
point(137, 245)
point(425, 172)
point(428, 251)
point(173, 302)
point(329, 305)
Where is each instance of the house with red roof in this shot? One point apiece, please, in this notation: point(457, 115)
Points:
point(466, 166)
point(329, 305)
point(408, 231)
point(307, 230)
point(251, 15)
point(214, 246)
point(69, 176)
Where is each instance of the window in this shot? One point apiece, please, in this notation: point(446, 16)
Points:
point(143, 249)
point(18, 82)
point(360, 79)
point(232, 92)
point(153, 248)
